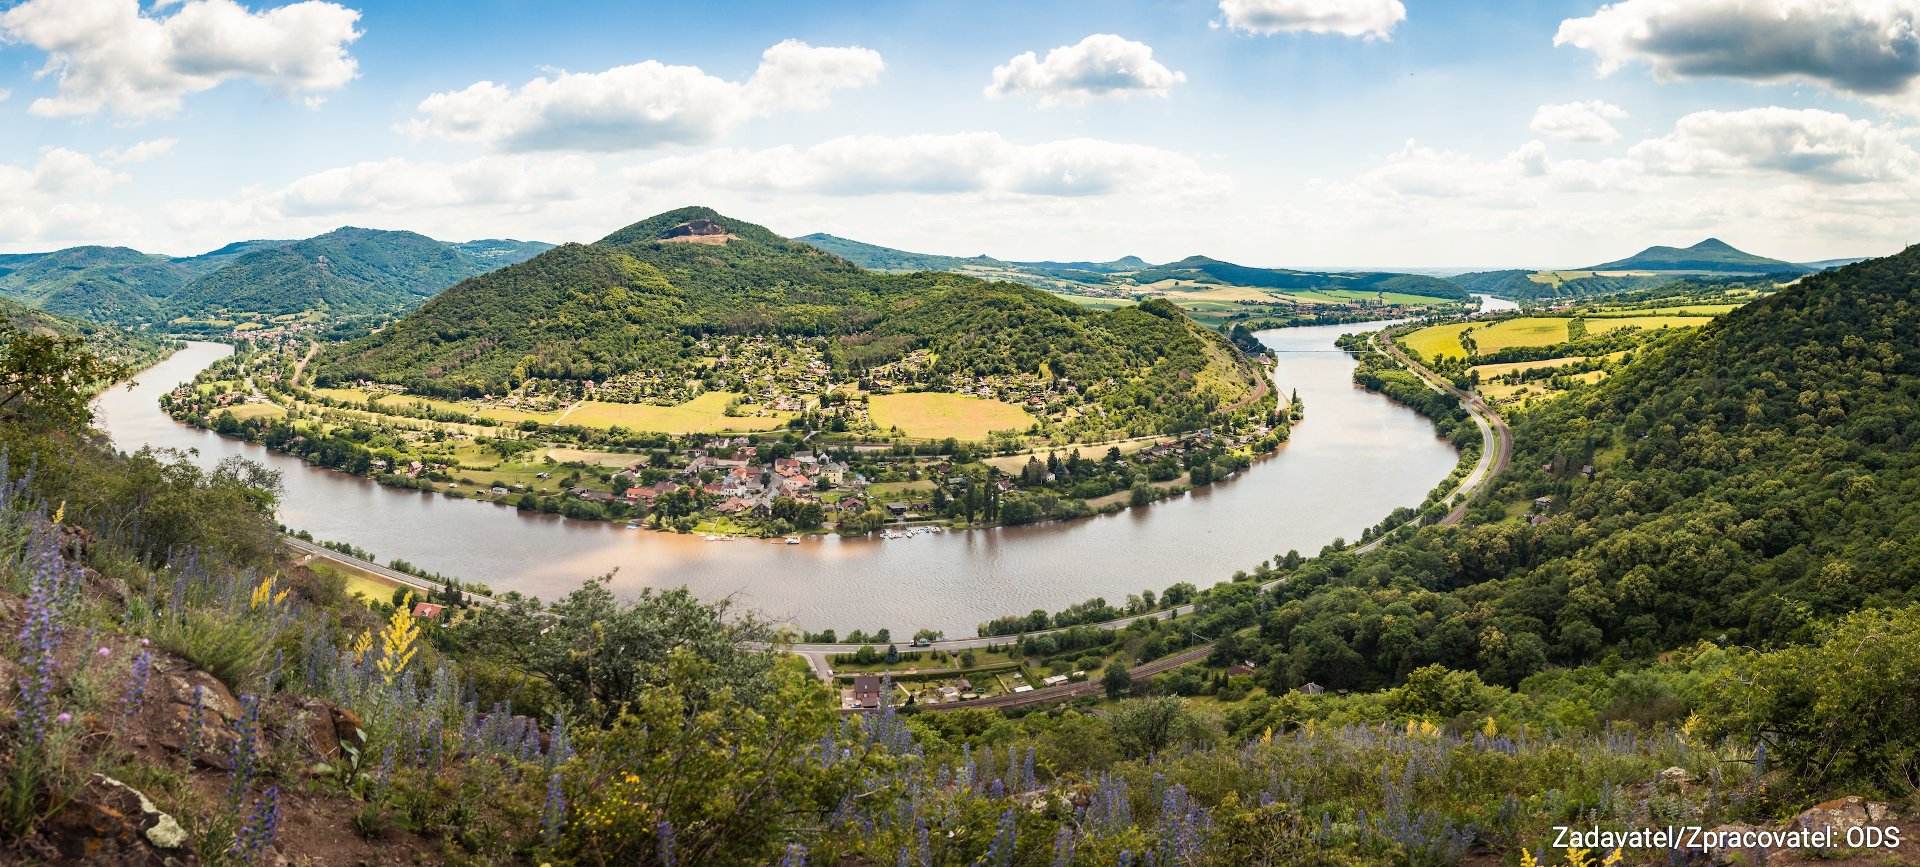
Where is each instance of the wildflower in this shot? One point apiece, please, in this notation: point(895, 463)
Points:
point(106, 652)
point(137, 682)
point(253, 838)
point(64, 718)
point(554, 818)
point(397, 643)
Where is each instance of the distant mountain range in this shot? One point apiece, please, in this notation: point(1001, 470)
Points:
point(1129, 271)
point(346, 272)
point(1710, 256)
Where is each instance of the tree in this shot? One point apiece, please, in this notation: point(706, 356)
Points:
point(45, 379)
point(602, 654)
point(722, 775)
point(1837, 715)
point(1148, 726)
point(1116, 679)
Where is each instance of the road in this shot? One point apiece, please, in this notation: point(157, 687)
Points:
point(1496, 449)
point(1067, 691)
point(402, 578)
point(1496, 441)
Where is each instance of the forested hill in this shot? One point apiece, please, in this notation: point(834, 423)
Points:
point(643, 297)
point(346, 271)
point(1711, 255)
point(102, 284)
point(1203, 269)
point(113, 344)
point(1750, 479)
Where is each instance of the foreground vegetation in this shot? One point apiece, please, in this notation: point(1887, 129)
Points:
point(1717, 625)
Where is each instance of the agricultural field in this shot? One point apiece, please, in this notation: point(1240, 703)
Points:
point(244, 411)
point(1602, 325)
point(591, 458)
point(1524, 331)
point(1437, 340)
point(1488, 371)
point(703, 414)
point(935, 415)
point(1686, 310)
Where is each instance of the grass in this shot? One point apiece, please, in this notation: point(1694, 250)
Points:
point(1651, 323)
point(1682, 310)
point(936, 415)
point(592, 458)
point(1488, 371)
point(888, 490)
point(703, 414)
point(1524, 331)
point(367, 584)
point(244, 411)
point(1437, 340)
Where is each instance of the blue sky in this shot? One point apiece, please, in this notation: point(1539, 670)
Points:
point(1276, 132)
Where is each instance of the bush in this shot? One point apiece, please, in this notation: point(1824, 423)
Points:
point(1838, 715)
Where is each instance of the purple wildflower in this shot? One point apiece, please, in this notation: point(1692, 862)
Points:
point(664, 844)
point(553, 818)
point(253, 838)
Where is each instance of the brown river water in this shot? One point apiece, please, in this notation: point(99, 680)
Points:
point(1355, 458)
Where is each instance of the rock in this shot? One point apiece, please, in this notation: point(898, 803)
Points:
point(109, 822)
point(1729, 856)
point(164, 832)
point(1842, 814)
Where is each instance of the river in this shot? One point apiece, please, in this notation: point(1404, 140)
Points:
point(1490, 304)
point(1355, 458)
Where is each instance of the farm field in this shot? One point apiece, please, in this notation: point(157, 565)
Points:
point(1492, 370)
point(1525, 331)
point(599, 459)
point(1601, 325)
point(1437, 340)
point(244, 411)
point(1686, 310)
point(703, 414)
point(937, 415)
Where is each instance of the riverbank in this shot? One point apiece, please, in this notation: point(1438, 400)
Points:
point(1360, 459)
point(807, 478)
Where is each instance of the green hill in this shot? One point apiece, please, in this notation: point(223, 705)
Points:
point(101, 284)
point(502, 251)
point(1752, 478)
point(347, 271)
point(1203, 269)
point(1712, 255)
point(110, 342)
point(877, 258)
point(642, 298)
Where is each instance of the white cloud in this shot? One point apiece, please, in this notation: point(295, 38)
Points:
point(1373, 19)
point(38, 203)
point(642, 105)
point(936, 164)
point(108, 55)
point(1867, 48)
point(397, 186)
point(1588, 121)
point(140, 152)
point(1819, 145)
point(4, 93)
point(1101, 65)
point(59, 172)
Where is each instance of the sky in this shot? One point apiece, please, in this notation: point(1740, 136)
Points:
point(1296, 133)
